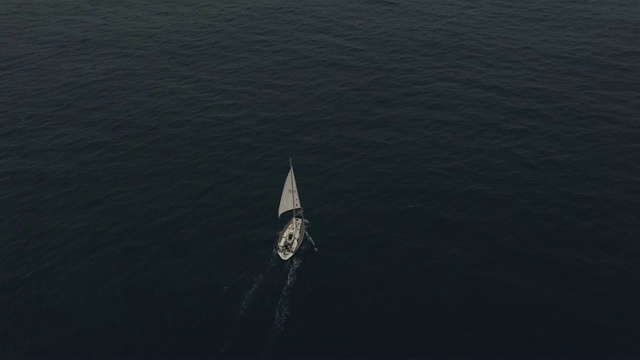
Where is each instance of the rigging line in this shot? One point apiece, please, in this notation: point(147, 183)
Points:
point(311, 240)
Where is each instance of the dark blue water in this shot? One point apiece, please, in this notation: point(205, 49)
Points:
point(469, 168)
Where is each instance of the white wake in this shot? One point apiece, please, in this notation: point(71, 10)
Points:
point(282, 311)
point(248, 295)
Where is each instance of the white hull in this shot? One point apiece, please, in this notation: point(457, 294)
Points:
point(290, 238)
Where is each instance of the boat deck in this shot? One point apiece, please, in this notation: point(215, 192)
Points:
point(290, 238)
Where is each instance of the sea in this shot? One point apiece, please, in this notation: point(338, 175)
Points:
point(470, 171)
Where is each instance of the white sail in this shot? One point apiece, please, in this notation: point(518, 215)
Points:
point(290, 199)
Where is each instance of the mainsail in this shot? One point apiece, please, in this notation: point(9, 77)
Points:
point(289, 199)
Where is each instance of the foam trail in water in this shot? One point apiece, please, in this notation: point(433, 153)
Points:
point(255, 284)
point(248, 296)
point(282, 311)
point(312, 243)
point(246, 301)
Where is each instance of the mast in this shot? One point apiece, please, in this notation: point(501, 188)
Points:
point(293, 195)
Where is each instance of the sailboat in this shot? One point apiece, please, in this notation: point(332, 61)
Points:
point(291, 236)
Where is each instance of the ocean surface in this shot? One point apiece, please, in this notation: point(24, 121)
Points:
point(470, 171)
